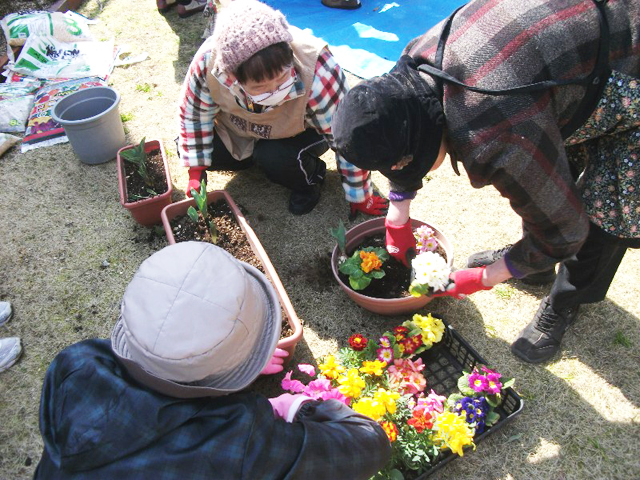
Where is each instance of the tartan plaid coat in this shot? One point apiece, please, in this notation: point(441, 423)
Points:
point(514, 142)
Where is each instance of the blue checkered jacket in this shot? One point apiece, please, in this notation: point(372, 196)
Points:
point(98, 423)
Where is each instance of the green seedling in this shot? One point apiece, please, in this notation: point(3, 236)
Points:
point(340, 234)
point(203, 212)
point(138, 157)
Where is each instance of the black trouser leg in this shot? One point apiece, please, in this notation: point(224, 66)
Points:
point(221, 159)
point(293, 162)
point(586, 277)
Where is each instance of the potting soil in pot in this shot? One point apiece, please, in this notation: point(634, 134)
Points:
point(230, 237)
point(136, 188)
point(397, 279)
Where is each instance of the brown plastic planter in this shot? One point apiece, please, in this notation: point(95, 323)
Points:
point(384, 306)
point(147, 211)
point(180, 208)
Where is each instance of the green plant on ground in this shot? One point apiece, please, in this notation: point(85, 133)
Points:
point(621, 340)
point(340, 234)
point(202, 213)
point(137, 156)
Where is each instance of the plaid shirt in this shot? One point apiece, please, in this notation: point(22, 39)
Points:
point(98, 423)
point(513, 142)
point(198, 110)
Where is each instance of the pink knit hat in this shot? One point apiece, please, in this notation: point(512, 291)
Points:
point(243, 28)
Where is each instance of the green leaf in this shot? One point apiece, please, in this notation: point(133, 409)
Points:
point(463, 386)
point(349, 268)
point(213, 231)
point(377, 273)
point(492, 418)
point(193, 214)
point(508, 382)
point(453, 398)
point(396, 475)
point(340, 234)
point(494, 400)
point(359, 283)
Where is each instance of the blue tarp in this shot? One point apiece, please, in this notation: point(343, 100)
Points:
point(367, 41)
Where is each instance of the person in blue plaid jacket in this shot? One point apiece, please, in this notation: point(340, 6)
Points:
point(167, 398)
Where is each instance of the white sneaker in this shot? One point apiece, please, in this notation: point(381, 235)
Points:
point(10, 350)
point(5, 312)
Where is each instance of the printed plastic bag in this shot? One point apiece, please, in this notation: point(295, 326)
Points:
point(64, 27)
point(42, 130)
point(7, 141)
point(46, 57)
point(16, 101)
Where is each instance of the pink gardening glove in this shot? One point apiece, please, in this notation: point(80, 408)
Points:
point(287, 405)
point(464, 282)
point(275, 365)
point(401, 244)
point(195, 175)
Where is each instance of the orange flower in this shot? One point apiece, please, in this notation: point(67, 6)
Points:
point(391, 430)
point(370, 261)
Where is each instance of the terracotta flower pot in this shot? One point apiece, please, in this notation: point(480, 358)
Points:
point(180, 208)
point(384, 306)
point(146, 211)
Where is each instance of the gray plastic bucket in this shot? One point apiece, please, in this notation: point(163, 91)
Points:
point(91, 120)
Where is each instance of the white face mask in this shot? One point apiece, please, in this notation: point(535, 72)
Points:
point(273, 98)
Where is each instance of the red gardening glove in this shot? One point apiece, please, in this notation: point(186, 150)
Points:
point(464, 282)
point(374, 205)
point(275, 365)
point(287, 405)
point(401, 244)
point(195, 175)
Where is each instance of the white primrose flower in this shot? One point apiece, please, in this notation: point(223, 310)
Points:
point(431, 269)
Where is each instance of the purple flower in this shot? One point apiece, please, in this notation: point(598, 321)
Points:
point(308, 369)
point(493, 383)
point(385, 355)
point(293, 386)
point(317, 387)
point(477, 381)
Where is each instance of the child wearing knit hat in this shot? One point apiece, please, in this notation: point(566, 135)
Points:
point(262, 91)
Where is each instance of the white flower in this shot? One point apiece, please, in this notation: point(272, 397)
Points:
point(431, 269)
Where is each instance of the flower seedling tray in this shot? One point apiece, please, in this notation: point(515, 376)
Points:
point(444, 364)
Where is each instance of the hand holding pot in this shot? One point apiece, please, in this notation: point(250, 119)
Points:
point(400, 242)
point(275, 365)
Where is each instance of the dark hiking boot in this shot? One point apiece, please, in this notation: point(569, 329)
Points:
point(540, 340)
point(301, 202)
point(487, 257)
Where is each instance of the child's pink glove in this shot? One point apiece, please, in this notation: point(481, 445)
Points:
point(463, 283)
point(275, 365)
point(287, 405)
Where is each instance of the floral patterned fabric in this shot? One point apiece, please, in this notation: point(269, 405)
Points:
point(606, 149)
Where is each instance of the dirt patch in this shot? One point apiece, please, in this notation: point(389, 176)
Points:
point(137, 189)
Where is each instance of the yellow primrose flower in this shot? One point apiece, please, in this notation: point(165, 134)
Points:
point(432, 328)
point(370, 261)
point(387, 398)
point(453, 431)
point(375, 367)
point(351, 384)
point(369, 407)
point(330, 368)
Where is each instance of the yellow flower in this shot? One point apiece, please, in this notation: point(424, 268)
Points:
point(432, 328)
point(351, 384)
point(453, 431)
point(370, 261)
point(369, 407)
point(330, 368)
point(387, 398)
point(373, 368)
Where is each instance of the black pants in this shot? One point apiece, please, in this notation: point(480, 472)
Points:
point(586, 277)
point(291, 162)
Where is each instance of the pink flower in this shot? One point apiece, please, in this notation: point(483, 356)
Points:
point(385, 355)
point(293, 386)
point(308, 369)
point(384, 342)
point(477, 381)
point(336, 395)
point(493, 383)
point(433, 402)
point(405, 375)
point(317, 387)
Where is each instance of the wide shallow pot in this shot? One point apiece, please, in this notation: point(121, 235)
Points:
point(92, 123)
point(180, 208)
point(146, 211)
point(384, 306)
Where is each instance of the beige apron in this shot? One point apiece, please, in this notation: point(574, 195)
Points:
point(239, 129)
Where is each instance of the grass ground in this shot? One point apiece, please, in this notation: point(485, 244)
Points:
point(60, 220)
